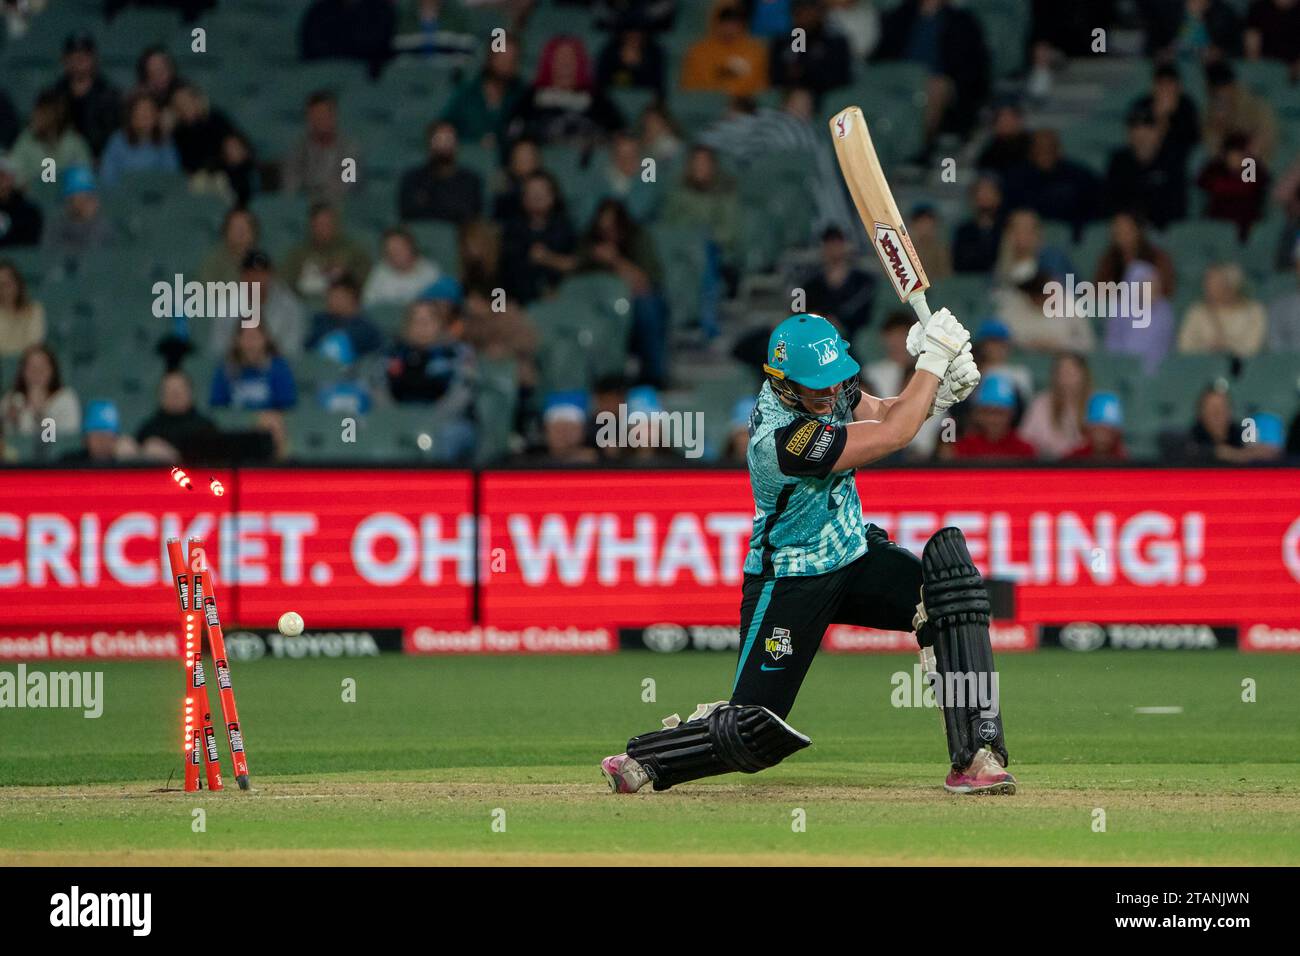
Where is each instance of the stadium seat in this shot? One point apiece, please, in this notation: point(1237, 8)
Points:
point(496, 396)
point(1269, 382)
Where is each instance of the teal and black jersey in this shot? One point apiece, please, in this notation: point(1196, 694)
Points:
point(807, 518)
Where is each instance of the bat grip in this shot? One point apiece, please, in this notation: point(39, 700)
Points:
point(922, 308)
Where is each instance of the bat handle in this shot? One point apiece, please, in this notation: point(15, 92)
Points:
point(922, 308)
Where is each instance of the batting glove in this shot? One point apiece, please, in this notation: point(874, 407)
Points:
point(945, 338)
point(958, 382)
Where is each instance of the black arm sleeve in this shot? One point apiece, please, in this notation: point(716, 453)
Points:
point(807, 448)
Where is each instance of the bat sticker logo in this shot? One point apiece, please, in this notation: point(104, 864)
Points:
point(843, 124)
point(895, 251)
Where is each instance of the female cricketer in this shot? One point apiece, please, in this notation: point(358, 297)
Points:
point(813, 562)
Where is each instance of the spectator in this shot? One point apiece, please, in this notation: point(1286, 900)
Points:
point(1053, 422)
point(94, 104)
point(440, 188)
point(49, 135)
point(1286, 195)
point(432, 365)
point(1214, 435)
point(771, 18)
point(314, 166)
point(632, 58)
point(428, 27)
point(1173, 112)
point(990, 433)
point(728, 60)
point(254, 376)
point(200, 131)
point(39, 399)
point(539, 243)
point(155, 77)
point(140, 146)
point(1035, 311)
point(1200, 30)
point(1230, 194)
point(1273, 33)
point(564, 104)
point(950, 43)
point(524, 160)
point(240, 167)
point(342, 314)
point(499, 329)
point(564, 425)
point(1023, 252)
point(176, 430)
point(617, 244)
point(80, 226)
point(1147, 335)
point(659, 135)
point(1129, 244)
point(1103, 431)
point(840, 290)
point(992, 350)
point(1148, 175)
point(480, 255)
point(737, 448)
point(858, 22)
point(402, 273)
point(20, 218)
point(102, 441)
point(931, 246)
point(22, 321)
point(9, 122)
point(1054, 187)
point(1234, 110)
point(1284, 316)
point(482, 106)
point(886, 376)
point(349, 30)
point(1225, 321)
point(624, 178)
point(1009, 145)
point(976, 241)
point(1268, 442)
point(279, 313)
point(225, 260)
point(706, 198)
point(820, 64)
point(324, 256)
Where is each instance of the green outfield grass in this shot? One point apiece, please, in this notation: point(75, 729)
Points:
point(433, 750)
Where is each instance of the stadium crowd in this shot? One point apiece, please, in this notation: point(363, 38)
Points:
point(524, 233)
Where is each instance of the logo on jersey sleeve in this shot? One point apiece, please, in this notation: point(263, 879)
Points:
point(818, 451)
point(779, 644)
point(799, 440)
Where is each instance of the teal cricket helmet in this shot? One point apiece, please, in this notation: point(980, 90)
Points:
point(808, 350)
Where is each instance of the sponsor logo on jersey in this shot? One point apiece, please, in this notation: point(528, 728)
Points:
point(802, 435)
point(823, 442)
point(779, 644)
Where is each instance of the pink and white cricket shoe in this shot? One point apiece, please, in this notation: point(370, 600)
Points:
point(623, 774)
point(985, 775)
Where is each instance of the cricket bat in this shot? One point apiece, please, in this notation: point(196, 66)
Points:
point(879, 212)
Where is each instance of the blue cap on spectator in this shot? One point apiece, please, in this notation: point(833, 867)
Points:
point(1269, 430)
point(740, 413)
point(996, 391)
point(443, 289)
point(101, 416)
point(570, 404)
point(1104, 408)
point(994, 330)
point(76, 180)
point(643, 398)
point(338, 346)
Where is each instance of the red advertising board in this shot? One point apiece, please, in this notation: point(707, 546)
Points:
point(580, 554)
point(382, 548)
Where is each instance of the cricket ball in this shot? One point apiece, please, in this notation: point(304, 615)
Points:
point(290, 624)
